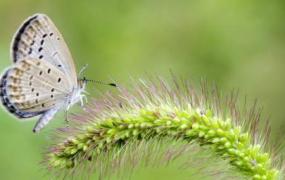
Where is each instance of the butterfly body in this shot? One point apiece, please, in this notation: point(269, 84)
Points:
point(43, 78)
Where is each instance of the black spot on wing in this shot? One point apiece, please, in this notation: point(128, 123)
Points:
point(30, 51)
point(18, 35)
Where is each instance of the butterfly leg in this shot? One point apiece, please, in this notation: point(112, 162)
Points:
point(82, 99)
point(66, 116)
point(85, 98)
point(81, 102)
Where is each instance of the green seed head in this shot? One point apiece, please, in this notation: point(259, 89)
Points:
point(153, 111)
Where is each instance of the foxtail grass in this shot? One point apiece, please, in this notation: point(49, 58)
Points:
point(144, 123)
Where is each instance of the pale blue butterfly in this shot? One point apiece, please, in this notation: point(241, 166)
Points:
point(43, 78)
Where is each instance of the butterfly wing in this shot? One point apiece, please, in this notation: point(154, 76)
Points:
point(32, 87)
point(38, 38)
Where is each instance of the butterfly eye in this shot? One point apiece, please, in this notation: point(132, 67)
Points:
point(48, 71)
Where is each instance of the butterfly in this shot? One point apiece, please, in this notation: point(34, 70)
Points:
point(42, 79)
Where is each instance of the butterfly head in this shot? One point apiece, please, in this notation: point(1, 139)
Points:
point(82, 83)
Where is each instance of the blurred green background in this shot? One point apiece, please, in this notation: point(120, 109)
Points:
point(237, 44)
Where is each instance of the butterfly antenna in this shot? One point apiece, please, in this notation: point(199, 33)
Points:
point(83, 69)
point(99, 82)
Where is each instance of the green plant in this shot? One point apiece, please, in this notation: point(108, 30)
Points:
point(154, 111)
